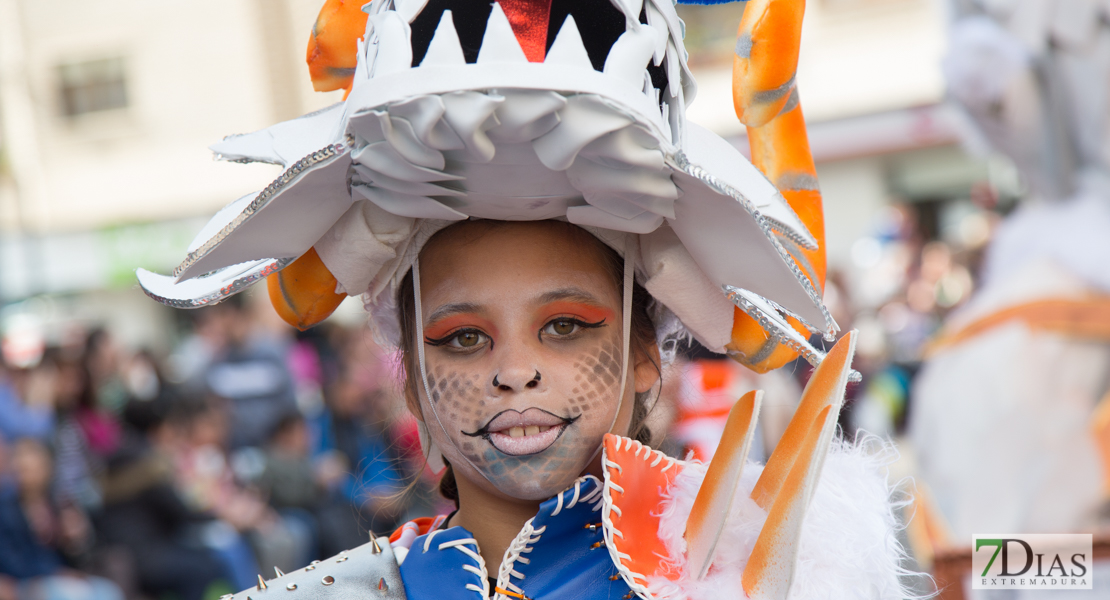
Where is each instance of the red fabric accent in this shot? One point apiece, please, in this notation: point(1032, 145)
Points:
point(529, 19)
point(423, 525)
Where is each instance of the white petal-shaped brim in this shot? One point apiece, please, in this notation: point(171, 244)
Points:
point(286, 142)
point(721, 218)
point(211, 287)
point(284, 220)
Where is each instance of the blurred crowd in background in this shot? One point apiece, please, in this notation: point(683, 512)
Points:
point(127, 474)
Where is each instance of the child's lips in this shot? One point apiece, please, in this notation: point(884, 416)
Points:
point(522, 433)
point(520, 441)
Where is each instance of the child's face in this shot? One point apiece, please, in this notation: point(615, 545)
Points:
point(523, 346)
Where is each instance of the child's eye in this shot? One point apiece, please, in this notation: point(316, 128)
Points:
point(467, 339)
point(561, 327)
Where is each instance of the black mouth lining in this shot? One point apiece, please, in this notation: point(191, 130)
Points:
point(599, 22)
point(484, 431)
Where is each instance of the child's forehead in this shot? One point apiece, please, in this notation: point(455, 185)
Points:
point(532, 255)
point(474, 235)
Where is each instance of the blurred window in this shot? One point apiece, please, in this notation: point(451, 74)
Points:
point(92, 86)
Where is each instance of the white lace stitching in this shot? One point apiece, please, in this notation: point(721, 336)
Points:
point(480, 570)
point(528, 536)
point(521, 545)
point(428, 540)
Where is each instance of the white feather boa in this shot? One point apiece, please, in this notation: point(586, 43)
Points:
point(848, 548)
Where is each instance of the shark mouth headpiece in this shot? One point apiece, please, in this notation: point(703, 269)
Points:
point(516, 110)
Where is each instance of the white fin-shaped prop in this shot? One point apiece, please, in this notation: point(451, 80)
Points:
point(568, 48)
point(714, 500)
point(801, 454)
point(445, 48)
point(499, 44)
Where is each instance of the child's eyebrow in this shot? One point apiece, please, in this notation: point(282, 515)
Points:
point(571, 294)
point(453, 309)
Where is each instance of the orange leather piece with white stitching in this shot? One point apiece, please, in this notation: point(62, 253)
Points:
point(636, 508)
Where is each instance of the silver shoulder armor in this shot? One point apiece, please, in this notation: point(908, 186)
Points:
point(369, 572)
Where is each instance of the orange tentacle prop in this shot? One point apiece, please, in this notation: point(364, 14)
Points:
point(333, 44)
point(765, 97)
point(303, 293)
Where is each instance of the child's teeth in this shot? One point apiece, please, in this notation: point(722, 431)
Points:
point(531, 430)
point(516, 432)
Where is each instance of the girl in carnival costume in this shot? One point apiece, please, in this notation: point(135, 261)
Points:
point(515, 192)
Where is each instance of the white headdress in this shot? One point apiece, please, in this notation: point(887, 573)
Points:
point(429, 135)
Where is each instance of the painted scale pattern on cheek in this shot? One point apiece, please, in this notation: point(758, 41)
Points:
point(457, 397)
point(597, 380)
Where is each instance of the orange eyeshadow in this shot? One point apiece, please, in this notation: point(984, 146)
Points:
point(447, 324)
point(586, 312)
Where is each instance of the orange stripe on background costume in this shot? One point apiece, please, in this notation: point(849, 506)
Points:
point(1087, 318)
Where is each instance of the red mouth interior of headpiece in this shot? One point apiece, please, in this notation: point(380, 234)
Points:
point(529, 19)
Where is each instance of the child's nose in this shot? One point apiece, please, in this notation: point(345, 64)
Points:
point(515, 379)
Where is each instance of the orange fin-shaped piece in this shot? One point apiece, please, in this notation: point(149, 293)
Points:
point(825, 388)
point(770, 567)
point(303, 293)
point(714, 500)
point(333, 46)
point(636, 477)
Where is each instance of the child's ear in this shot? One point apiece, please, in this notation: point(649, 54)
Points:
point(648, 369)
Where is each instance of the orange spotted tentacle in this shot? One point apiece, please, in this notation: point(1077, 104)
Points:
point(767, 45)
point(333, 44)
point(303, 293)
point(765, 97)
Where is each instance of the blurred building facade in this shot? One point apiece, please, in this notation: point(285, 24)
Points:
point(106, 112)
point(108, 108)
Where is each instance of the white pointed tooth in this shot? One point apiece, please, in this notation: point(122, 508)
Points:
point(499, 44)
point(568, 48)
point(531, 430)
point(394, 51)
point(516, 432)
point(445, 48)
point(629, 56)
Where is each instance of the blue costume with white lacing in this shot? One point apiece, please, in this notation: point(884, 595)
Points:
point(559, 554)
